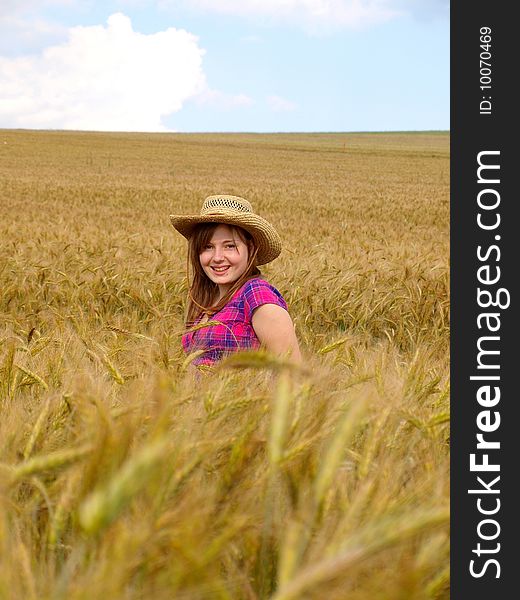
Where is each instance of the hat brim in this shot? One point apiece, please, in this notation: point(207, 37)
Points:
point(265, 235)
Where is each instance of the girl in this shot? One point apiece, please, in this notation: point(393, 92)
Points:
point(227, 243)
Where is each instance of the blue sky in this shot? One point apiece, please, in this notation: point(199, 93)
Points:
point(225, 65)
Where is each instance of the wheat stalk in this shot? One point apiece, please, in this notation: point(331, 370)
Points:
point(48, 462)
point(101, 507)
point(36, 430)
point(381, 536)
point(333, 456)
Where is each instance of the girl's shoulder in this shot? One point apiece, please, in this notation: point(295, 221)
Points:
point(258, 291)
point(257, 284)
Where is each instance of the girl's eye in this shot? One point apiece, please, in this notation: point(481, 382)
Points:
point(231, 246)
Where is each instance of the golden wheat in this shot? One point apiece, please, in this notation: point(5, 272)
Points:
point(124, 474)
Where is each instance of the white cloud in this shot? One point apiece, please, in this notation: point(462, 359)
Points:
point(312, 14)
point(425, 9)
point(279, 104)
point(103, 78)
point(9, 7)
point(315, 16)
point(23, 28)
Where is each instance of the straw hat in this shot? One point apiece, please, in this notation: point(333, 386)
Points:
point(233, 210)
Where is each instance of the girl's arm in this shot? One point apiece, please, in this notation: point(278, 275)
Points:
point(275, 330)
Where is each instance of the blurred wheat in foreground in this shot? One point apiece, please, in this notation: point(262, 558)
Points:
point(124, 477)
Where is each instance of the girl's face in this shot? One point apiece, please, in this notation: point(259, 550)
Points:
point(224, 258)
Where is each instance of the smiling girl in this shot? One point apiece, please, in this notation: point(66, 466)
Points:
point(227, 243)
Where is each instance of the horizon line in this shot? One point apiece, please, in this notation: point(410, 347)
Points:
point(52, 130)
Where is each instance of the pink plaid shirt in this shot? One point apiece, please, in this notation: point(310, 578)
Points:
point(235, 331)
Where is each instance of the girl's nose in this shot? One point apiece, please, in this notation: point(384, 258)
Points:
point(218, 254)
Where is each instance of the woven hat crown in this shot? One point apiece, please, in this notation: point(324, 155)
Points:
point(236, 211)
point(217, 204)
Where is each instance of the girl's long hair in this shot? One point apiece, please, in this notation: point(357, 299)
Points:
point(202, 292)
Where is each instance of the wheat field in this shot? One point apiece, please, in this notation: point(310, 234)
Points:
point(123, 476)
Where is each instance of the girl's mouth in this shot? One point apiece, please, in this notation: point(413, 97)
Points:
point(220, 269)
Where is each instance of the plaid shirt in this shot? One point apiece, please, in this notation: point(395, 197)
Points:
point(235, 331)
